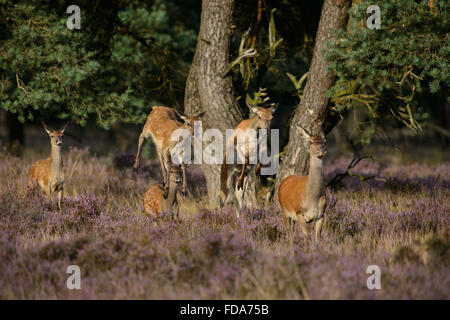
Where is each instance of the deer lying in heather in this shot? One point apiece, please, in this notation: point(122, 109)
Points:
point(302, 198)
point(235, 176)
point(158, 199)
point(48, 173)
point(160, 124)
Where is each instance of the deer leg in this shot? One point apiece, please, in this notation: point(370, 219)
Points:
point(258, 167)
point(302, 222)
point(291, 223)
point(319, 222)
point(48, 192)
point(242, 176)
point(163, 168)
point(60, 194)
point(239, 195)
point(285, 219)
point(229, 186)
point(318, 228)
point(167, 165)
point(138, 155)
point(184, 188)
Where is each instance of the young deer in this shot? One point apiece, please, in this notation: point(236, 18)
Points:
point(48, 173)
point(158, 199)
point(234, 176)
point(302, 198)
point(160, 124)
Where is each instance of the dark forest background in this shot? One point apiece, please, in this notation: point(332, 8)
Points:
point(389, 87)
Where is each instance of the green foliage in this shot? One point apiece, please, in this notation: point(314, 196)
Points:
point(385, 70)
point(123, 60)
point(298, 84)
point(253, 65)
point(259, 97)
point(274, 41)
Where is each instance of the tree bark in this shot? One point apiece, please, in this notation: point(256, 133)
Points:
point(312, 109)
point(206, 90)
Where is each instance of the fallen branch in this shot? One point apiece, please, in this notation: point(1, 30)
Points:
point(347, 173)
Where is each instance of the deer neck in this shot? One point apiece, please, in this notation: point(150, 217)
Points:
point(314, 186)
point(56, 164)
point(254, 123)
point(171, 199)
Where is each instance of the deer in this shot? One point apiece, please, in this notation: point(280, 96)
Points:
point(234, 176)
point(160, 125)
point(302, 198)
point(48, 173)
point(157, 198)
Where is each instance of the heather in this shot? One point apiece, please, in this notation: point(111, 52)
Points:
point(398, 220)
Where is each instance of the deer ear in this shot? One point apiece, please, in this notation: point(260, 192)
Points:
point(305, 133)
point(200, 115)
point(273, 107)
point(65, 127)
point(252, 107)
point(46, 128)
point(181, 115)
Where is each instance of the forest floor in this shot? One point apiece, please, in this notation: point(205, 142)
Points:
point(399, 221)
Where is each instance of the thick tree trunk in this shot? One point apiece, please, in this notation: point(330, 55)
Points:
point(312, 109)
point(206, 90)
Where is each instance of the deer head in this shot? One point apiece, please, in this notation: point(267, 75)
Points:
point(189, 121)
point(317, 142)
point(175, 176)
point(56, 136)
point(265, 115)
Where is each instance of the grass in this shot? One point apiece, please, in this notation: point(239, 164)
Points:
point(400, 223)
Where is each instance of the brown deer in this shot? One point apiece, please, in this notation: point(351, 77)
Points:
point(302, 198)
point(157, 199)
point(160, 124)
point(234, 176)
point(48, 173)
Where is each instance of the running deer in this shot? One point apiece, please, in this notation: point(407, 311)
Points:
point(235, 176)
point(302, 198)
point(160, 124)
point(48, 173)
point(157, 199)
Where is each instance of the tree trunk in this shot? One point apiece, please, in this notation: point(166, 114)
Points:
point(207, 91)
point(312, 109)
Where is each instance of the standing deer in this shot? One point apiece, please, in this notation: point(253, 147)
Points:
point(302, 198)
point(48, 173)
point(235, 176)
point(160, 124)
point(158, 199)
